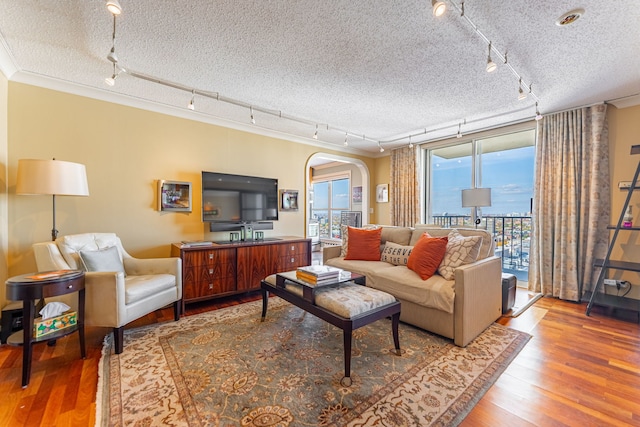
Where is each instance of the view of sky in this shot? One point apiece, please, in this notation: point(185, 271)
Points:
point(509, 174)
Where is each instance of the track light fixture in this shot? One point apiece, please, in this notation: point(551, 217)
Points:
point(491, 66)
point(438, 7)
point(538, 115)
point(253, 119)
point(381, 148)
point(410, 143)
point(315, 135)
point(459, 134)
point(191, 105)
point(521, 94)
point(114, 7)
point(111, 81)
point(346, 139)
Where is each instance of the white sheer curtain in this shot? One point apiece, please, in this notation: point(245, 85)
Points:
point(404, 209)
point(571, 202)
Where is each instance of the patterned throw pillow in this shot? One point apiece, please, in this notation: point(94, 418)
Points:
point(345, 236)
point(427, 255)
point(396, 254)
point(460, 251)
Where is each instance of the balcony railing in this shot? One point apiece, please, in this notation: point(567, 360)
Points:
point(512, 235)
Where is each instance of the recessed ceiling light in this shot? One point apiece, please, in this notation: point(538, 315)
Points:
point(569, 17)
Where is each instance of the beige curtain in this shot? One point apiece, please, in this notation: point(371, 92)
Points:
point(571, 202)
point(404, 209)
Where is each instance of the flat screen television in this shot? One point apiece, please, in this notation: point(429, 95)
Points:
point(238, 199)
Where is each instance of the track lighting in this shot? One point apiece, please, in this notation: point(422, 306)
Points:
point(538, 115)
point(410, 143)
point(459, 135)
point(346, 139)
point(439, 7)
point(112, 55)
point(315, 135)
point(521, 94)
point(253, 119)
point(491, 66)
point(381, 148)
point(111, 81)
point(114, 7)
point(191, 105)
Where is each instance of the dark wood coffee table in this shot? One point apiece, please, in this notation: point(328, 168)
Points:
point(277, 284)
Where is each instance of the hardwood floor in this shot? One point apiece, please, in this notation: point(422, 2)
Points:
point(575, 371)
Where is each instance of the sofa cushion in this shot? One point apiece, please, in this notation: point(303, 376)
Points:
point(405, 284)
point(363, 244)
point(427, 255)
point(107, 259)
point(345, 236)
point(366, 268)
point(395, 254)
point(487, 247)
point(460, 251)
point(398, 235)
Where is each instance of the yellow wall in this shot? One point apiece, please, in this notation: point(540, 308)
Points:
point(381, 175)
point(126, 150)
point(4, 234)
point(624, 131)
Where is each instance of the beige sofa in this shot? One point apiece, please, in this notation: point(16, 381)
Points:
point(459, 309)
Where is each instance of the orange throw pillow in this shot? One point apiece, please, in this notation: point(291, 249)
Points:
point(364, 244)
point(427, 255)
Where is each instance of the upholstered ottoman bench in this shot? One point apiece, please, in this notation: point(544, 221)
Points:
point(346, 305)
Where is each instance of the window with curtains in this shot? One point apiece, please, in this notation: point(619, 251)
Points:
point(331, 196)
point(502, 162)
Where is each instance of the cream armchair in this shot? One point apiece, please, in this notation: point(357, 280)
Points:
point(119, 288)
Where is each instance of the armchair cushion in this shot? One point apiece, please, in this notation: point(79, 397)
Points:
point(107, 259)
point(138, 288)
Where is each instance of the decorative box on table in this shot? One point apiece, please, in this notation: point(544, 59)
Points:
point(54, 324)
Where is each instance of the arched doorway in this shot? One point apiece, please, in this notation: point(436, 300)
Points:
point(318, 160)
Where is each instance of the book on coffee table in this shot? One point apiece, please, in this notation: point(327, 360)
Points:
point(318, 274)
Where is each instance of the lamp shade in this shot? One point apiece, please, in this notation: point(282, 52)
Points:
point(476, 197)
point(53, 177)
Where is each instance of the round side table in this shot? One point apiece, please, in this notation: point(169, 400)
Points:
point(35, 286)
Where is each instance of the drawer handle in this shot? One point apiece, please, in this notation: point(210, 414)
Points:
point(210, 285)
point(211, 271)
point(70, 287)
point(293, 259)
point(210, 256)
point(293, 248)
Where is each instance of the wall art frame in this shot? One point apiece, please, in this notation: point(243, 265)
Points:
point(289, 200)
point(382, 193)
point(174, 196)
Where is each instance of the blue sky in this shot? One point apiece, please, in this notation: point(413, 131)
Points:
point(509, 174)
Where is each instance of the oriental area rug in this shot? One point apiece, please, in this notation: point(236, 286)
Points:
point(227, 368)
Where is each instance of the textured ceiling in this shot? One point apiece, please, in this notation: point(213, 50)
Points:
point(378, 69)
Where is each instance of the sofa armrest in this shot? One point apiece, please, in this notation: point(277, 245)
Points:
point(478, 298)
point(140, 266)
point(329, 252)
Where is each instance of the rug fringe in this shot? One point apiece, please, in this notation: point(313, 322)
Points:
point(103, 375)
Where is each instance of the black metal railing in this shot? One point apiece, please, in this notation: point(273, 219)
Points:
point(512, 235)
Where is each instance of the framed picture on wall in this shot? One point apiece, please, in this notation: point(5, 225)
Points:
point(174, 196)
point(356, 195)
point(382, 193)
point(288, 200)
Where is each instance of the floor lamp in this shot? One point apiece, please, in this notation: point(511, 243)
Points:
point(51, 177)
point(476, 198)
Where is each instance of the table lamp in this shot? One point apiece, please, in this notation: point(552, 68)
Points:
point(476, 198)
point(51, 177)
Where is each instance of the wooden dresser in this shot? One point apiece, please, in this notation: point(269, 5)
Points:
point(226, 268)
